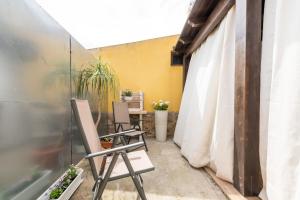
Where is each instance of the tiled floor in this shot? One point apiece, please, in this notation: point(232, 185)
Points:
point(173, 179)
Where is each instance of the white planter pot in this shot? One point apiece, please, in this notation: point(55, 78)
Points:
point(161, 124)
point(128, 98)
point(69, 191)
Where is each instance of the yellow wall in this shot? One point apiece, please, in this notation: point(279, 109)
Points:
point(146, 66)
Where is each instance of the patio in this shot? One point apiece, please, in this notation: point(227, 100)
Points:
point(210, 87)
point(172, 179)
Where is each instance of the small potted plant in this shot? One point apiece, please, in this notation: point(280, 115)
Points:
point(161, 119)
point(106, 143)
point(65, 186)
point(127, 95)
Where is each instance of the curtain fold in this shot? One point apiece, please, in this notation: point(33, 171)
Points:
point(204, 127)
point(280, 101)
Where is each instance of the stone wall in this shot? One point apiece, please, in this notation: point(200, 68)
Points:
point(148, 123)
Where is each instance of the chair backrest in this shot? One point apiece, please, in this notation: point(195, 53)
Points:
point(121, 114)
point(88, 131)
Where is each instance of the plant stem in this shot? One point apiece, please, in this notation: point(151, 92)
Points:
point(98, 119)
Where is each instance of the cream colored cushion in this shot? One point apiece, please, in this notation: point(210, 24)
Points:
point(139, 160)
point(135, 133)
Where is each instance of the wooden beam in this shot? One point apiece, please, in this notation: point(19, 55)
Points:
point(198, 15)
point(184, 41)
point(196, 23)
point(186, 64)
point(228, 189)
point(176, 59)
point(247, 174)
point(211, 23)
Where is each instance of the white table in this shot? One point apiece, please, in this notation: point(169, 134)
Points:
point(138, 112)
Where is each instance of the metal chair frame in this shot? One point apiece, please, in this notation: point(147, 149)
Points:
point(102, 178)
point(136, 127)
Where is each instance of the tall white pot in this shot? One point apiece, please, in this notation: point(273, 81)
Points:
point(161, 124)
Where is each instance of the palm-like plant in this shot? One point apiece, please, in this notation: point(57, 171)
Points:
point(100, 79)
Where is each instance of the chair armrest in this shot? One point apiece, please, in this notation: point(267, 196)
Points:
point(117, 149)
point(117, 134)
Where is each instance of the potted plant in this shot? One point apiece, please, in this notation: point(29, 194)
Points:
point(65, 186)
point(106, 143)
point(127, 95)
point(100, 79)
point(161, 119)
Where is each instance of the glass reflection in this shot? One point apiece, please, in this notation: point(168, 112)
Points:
point(35, 114)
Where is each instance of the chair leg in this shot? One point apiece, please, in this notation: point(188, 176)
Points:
point(129, 138)
point(141, 180)
point(139, 127)
point(134, 177)
point(95, 189)
point(143, 137)
point(103, 183)
point(123, 140)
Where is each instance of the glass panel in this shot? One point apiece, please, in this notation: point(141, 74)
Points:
point(81, 58)
point(34, 100)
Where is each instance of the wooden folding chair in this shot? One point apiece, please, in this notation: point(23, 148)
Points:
point(122, 122)
point(107, 168)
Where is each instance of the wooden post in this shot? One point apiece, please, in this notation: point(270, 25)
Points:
point(247, 173)
point(186, 64)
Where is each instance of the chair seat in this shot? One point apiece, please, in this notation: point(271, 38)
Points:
point(139, 160)
point(135, 133)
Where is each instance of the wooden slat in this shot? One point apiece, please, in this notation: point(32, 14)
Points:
point(186, 64)
point(229, 190)
point(219, 9)
point(211, 23)
point(247, 174)
point(198, 15)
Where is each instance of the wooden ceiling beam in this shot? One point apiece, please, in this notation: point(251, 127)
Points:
point(211, 23)
point(196, 19)
point(196, 23)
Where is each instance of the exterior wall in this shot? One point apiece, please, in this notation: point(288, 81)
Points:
point(146, 66)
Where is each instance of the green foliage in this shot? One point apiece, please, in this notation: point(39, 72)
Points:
point(98, 78)
point(67, 180)
point(106, 139)
point(55, 193)
point(160, 105)
point(127, 93)
point(72, 172)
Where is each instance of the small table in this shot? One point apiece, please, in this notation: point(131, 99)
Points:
point(138, 112)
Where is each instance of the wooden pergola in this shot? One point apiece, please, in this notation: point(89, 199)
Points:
point(203, 19)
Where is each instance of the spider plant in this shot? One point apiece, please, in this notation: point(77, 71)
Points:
point(99, 79)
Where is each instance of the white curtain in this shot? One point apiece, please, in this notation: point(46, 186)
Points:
point(280, 101)
point(204, 127)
